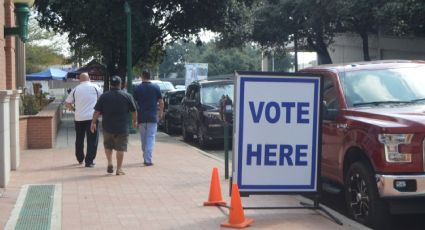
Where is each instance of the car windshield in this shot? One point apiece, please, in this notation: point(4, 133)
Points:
point(384, 86)
point(212, 93)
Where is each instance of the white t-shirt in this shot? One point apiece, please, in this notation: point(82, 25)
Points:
point(84, 97)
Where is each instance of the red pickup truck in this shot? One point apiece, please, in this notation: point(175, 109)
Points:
point(373, 143)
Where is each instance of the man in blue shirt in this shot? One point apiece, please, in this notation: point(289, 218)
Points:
point(148, 97)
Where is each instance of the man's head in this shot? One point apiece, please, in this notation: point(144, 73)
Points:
point(116, 82)
point(84, 77)
point(146, 75)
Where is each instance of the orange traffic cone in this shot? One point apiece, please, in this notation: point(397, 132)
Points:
point(215, 198)
point(236, 214)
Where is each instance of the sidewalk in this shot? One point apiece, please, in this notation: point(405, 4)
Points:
point(168, 195)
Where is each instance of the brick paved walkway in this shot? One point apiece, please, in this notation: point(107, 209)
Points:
point(168, 195)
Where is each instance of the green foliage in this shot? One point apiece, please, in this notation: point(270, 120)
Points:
point(276, 23)
point(220, 60)
point(314, 23)
point(403, 17)
point(101, 25)
point(32, 104)
point(39, 57)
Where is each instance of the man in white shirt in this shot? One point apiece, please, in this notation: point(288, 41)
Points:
point(82, 100)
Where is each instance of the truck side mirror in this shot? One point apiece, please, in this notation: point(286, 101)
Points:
point(329, 113)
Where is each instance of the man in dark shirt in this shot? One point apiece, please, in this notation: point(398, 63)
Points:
point(114, 106)
point(148, 96)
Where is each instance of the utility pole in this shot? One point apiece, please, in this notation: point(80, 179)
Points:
point(127, 10)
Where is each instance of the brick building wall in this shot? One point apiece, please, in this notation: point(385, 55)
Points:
point(9, 47)
point(39, 131)
point(23, 140)
point(2, 51)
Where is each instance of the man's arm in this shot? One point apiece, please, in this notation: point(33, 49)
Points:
point(70, 106)
point(133, 110)
point(96, 115)
point(69, 102)
point(134, 119)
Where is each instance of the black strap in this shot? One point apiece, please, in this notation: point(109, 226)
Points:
point(97, 93)
point(73, 94)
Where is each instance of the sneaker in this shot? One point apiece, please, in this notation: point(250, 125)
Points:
point(110, 169)
point(120, 172)
point(148, 164)
point(91, 165)
point(80, 162)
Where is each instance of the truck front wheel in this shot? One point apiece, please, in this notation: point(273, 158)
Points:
point(362, 198)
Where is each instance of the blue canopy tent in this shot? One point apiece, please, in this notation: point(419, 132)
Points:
point(48, 74)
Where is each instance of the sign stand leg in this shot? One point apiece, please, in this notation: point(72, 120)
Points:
point(316, 206)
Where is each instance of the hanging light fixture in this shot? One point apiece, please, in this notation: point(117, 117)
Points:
point(22, 12)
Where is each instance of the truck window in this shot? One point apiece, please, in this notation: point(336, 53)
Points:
point(329, 93)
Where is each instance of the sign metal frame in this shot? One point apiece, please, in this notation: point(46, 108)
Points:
point(241, 78)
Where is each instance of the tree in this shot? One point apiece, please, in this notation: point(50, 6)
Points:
point(403, 17)
point(39, 57)
point(220, 60)
point(101, 25)
point(177, 54)
point(361, 17)
point(276, 23)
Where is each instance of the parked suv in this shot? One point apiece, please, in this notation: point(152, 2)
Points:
point(373, 142)
point(164, 86)
point(172, 110)
point(201, 110)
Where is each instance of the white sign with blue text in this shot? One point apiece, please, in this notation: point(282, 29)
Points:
point(276, 142)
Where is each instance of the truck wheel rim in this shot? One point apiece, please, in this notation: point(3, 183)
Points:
point(359, 197)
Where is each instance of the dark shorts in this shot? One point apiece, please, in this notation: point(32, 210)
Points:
point(115, 141)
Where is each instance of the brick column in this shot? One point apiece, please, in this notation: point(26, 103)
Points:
point(9, 46)
point(14, 130)
point(4, 138)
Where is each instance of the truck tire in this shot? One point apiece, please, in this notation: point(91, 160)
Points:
point(361, 196)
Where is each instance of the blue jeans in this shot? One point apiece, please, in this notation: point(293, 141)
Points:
point(147, 136)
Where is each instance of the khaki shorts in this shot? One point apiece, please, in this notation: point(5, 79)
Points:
point(115, 141)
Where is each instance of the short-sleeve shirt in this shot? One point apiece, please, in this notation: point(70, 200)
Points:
point(114, 107)
point(147, 95)
point(84, 97)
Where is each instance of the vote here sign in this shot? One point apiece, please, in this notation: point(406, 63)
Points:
point(276, 142)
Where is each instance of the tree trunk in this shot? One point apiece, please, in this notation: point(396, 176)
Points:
point(365, 39)
point(296, 52)
point(109, 72)
point(321, 49)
